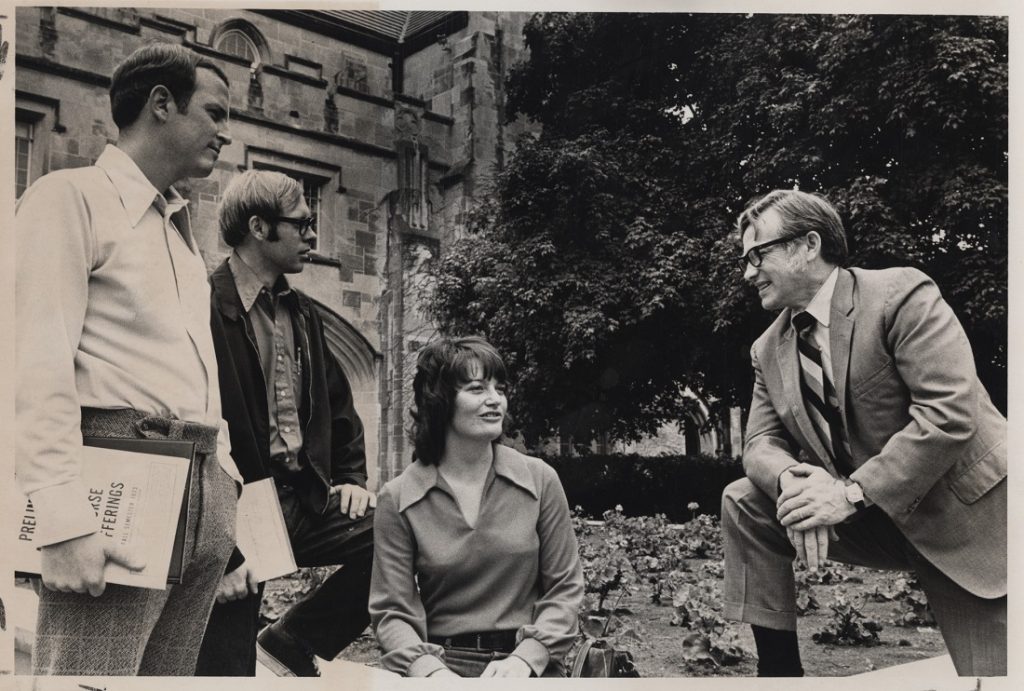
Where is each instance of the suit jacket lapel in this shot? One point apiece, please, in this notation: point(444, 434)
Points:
point(841, 336)
point(789, 366)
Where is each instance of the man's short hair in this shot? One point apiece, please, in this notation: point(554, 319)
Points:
point(801, 212)
point(158, 64)
point(263, 193)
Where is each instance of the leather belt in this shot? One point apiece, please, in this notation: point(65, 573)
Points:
point(502, 641)
point(132, 424)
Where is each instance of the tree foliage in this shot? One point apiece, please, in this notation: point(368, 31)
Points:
point(602, 264)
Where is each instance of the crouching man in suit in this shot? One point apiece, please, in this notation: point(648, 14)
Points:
point(291, 417)
point(869, 378)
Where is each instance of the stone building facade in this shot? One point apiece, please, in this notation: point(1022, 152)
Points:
point(394, 121)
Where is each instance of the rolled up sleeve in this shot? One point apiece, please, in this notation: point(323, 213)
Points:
point(396, 612)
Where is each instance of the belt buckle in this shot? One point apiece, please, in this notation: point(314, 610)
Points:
point(479, 641)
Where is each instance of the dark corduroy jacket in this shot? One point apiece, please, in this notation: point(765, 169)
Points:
point(332, 434)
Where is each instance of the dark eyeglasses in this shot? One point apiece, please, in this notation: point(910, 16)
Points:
point(304, 224)
point(755, 255)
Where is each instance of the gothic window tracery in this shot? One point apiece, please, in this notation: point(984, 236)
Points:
point(243, 40)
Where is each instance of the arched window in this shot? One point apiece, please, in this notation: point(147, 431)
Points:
point(234, 42)
point(241, 39)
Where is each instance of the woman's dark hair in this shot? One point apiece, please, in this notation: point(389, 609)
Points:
point(443, 365)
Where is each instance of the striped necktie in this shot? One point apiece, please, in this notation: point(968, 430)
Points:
point(820, 395)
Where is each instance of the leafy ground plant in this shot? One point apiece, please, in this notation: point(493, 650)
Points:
point(607, 571)
point(829, 573)
point(701, 538)
point(626, 550)
point(806, 601)
point(709, 640)
point(651, 543)
point(658, 647)
point(848, 626)
point(912, 604)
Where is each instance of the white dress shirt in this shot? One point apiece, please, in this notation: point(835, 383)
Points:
point(112, 304)
point(820, 307)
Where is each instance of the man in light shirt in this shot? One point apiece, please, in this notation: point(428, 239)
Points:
point(870, 440)
point(113, 339)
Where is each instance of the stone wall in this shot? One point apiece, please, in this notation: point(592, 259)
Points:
point(322, 108)
point(314, 107)
point(460, 77)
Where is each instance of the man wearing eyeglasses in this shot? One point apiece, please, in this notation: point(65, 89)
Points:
point(870, 440)
point(290, 414)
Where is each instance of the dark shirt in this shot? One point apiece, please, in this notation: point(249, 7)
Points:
point(271, 312)
point(332, 451)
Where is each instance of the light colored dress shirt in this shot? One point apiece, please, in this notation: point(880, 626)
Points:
point(820, 307)
point(518, 568)
point(112, 303)
point(270, 314)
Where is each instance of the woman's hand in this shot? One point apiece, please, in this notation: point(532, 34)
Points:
point(511, 666)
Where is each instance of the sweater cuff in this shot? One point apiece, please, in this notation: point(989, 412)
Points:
point(534, 653)
point(349, 479)
point(63, 512)
point(424, 665)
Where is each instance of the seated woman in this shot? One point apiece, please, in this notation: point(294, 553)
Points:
point(476, 569)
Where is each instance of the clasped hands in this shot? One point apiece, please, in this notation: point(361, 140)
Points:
point(510, 666)
point(810, 503)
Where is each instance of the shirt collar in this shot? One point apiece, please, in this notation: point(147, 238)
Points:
point(508, 464)
point(249, 285)
point(136, 191)
point(820, 306)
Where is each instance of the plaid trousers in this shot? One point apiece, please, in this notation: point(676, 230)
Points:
point(129, 631)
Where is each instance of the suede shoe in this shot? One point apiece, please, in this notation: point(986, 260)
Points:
point(285, 655)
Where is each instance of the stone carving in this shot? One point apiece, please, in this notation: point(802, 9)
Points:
point(255, 94)
point(407, 123)
point(353, 75)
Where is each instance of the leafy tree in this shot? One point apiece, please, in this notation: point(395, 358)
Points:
point(602, 265)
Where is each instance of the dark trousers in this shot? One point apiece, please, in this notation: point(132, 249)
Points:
point(327, 619)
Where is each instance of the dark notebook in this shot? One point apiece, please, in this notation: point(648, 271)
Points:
point(128, 506)
point(160, 447)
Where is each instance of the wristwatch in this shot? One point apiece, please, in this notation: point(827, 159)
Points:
point(854, 494)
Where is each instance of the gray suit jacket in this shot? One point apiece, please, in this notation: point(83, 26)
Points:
point(928, 445)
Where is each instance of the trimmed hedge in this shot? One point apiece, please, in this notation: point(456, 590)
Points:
point(646, 485)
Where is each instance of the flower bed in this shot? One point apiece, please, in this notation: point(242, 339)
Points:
point(654, 589)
